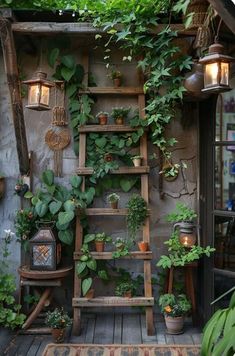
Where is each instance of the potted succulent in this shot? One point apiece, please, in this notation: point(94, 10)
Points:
point(136, 160)
point(125, 289)
point(119, 114)
point(113, 199)
point(116, 77)
point(2, 185)
point(100, 240)
point(184, 217)
point(58, 320)
point(102, 117)
point(174, 309)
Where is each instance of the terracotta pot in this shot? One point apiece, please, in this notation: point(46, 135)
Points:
point(137, 162)
point(117, 82)
point(99, 246)
point(2, 187)
point(108, 157)
point(114, 204)
point(103, 119)
point(58, 335)
point(119, 121)
point(174, 325)
point(90, 294)
point(127, 294)
point(143, 246)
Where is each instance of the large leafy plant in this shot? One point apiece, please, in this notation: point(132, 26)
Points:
point(181, 213)
point(57, 203)
point(136, 214)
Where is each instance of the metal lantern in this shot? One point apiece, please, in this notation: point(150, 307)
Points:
point(188, 234)
point(216, 69)
point(45, 251)
point(39, 92)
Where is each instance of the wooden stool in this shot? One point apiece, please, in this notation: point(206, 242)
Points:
point(46, 279)
point(189, 285)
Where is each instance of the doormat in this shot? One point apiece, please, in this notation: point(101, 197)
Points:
point(120, 350)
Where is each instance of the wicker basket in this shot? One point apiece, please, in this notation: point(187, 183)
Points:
point(199, 10)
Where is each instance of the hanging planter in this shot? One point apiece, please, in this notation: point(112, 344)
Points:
point(2, 186)
point(170, 171)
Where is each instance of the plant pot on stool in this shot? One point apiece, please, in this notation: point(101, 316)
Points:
point(174, 325)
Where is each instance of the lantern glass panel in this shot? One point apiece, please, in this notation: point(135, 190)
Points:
point(188, 240)
point(45, 91)
point(211, 74)
point(42, 255)
point(34, 94)
point(224, 73)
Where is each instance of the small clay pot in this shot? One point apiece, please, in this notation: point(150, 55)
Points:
point(119, 121)
point(127, 294)
point(99, 246)
point(117, 82)
point(114, 204)
point(58, 335)
point(103, 119)
point(143, 246)
point(90, 294)
point(137, 162)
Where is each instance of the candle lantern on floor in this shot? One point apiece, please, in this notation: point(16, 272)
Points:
point(188, 234)
point(45, 250)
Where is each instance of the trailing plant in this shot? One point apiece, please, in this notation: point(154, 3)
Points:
point(58, 319)
point(174, 306)
point(122, 247)
point(181, 213)
point(25, 226)
point(178, 255)
point(10, 315)
point(218, 333)
point(59, 204)
point(136, 214)
point(113, 197)
point(123, 287)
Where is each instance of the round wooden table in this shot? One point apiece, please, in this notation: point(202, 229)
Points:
point(48, 280)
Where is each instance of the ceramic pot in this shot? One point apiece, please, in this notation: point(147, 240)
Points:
point(99, 246)
point(127, 294)
point(119, 121)
point(90, 294)
point(143, 246)
point(103, 119)
point(117, 82)
point(174, 325)
point(114, 204)
point(58, 335)
point(137, 162)
point(2, 187)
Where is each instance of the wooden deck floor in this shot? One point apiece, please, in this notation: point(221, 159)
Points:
point(100, 329)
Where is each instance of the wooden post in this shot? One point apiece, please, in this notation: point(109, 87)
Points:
point(11, 69)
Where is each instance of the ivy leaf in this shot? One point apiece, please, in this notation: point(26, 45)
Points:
point(127, 184)
point(69, 205)
point(28, 195)
point(76, 181)
point(34, 200)
point(86, 285)
point(53, 55)
point(51, 189)
point(55, 206)
point(41, 208)
point(62, 226)
point(88, 238)
point(48, 177)
point(80, 267)
point(101, 142)
point(66, 236)
point(67, 73)
point(92, 264)
point(90, 195)
point(68, 61)
point(65, 217)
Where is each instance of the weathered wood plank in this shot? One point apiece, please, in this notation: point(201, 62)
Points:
point(34, 346)
point(112, 90)
point(135, 255)
point(25, 345)
point(197, 337)
point(160, 332)
point(107, 128)
point(89, 337)
point(46, 340)
point(112, 302)
point(5, 338)
point(121, 170)
point(79, 339)
point(131, 333)
point(107, 211)
point(104, 329)
point(147, 339)
point(183, 339)
point(117, 334)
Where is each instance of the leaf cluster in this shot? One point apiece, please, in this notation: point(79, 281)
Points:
point(181, 213)
point(174, 306)
point(136, 214)
point(58, 319)
point(124, 287)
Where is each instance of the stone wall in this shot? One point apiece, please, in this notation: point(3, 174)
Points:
point(184, 188)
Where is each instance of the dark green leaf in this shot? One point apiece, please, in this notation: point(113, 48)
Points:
point(41, 208)
point(86, 285)
point(80, 267)
point(55, 206)
point(65, 217)
point(53, 55)
point(76, 181)
point(66, 236)
point(48, 177)
point(68, 61)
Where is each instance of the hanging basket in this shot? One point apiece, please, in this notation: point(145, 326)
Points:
point(199, 10)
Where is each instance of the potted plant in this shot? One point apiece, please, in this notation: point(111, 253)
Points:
point(143, 246)
point(125, 289)
point(119, 114)
point(113, 199)
point(116, 77)
point(174, 309)
point(183, 217)
point(120, 243)
point(102, 117)
point(21, 188)
point(136, 160)
point(136, 214)
point(100, 240)
point(58, 320)
point(2, 185)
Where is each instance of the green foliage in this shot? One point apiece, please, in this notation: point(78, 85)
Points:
point(124, 287)
point(113, 197)
point(97, 237)
point(181, 213)
point(179, 255)
point(122, 247)
point(174, 306)
point(218, 333)
point(57, 319)
point(136, 214)
point(25, 226)
point(10, 315)
point(120, 112)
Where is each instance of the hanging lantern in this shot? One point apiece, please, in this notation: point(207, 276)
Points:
point(45, 251)
point(39, 92)
point(216, 69)
point(187, 233)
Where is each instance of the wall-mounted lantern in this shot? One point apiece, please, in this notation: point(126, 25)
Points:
point(188, 234)
point(216, 69)
point(45, 251)
point(39, 92)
